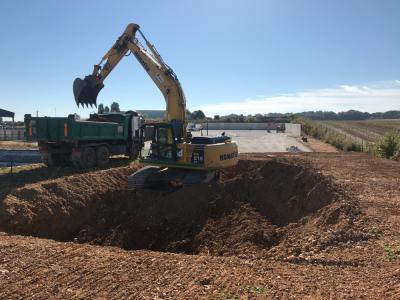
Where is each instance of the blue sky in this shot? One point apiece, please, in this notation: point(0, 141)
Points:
point(230, 56)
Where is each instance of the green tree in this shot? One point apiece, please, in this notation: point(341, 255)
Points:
point(250, 119)
point(198, 115)
point(389, 145)
point(115, 107)
point(106, 109)
point(259, 117)
point(189, 115)
point(100, 108)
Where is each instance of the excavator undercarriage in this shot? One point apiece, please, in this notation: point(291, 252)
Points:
point(161, 177)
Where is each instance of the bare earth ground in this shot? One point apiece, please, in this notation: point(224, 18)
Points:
point(310, 225)
point(318, 146)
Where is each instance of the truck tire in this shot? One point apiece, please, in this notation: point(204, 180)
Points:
point(76, 163)
point(102, 156)
point(54, 160)
point(88, 158)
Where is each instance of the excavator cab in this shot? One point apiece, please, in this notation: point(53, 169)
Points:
point(164, 168)
point(163, 143)
point(86, 91)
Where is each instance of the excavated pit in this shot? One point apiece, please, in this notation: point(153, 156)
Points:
point(254, 207)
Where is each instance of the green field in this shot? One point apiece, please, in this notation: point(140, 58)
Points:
point(364, 136)
point(365, 130)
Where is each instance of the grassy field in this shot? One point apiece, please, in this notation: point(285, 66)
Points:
point(365, 130)
point(379, 137)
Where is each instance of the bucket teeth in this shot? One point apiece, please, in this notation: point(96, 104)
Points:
point(86, 91)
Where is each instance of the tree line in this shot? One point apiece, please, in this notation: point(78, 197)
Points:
point(313, 115)
point(114, 107)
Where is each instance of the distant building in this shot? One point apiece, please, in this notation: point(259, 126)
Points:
point(7, 114)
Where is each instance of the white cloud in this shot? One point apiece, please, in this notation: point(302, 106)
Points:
point(381, 96)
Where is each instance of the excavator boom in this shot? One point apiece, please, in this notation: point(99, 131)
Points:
point(175, 157)
point(86, 90)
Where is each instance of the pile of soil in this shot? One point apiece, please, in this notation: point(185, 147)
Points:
point(259, 208)
point(348, 248)
point(58, 208)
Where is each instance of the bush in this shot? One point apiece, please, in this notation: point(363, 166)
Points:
point(352, 146)
point(396, 156)
point(334, 138)
point(389, 145)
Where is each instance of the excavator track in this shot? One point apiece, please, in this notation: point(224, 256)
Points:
point(139, 179)
point(152, 176)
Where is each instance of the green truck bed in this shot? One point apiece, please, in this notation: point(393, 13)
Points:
point(85, 143)
point(54, 129)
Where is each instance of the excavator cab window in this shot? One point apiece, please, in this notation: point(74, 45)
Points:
point(163, 145)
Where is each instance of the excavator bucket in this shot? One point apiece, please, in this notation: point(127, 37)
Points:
point(86, 91)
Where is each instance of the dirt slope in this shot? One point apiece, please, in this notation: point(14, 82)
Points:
point(307, 225)
point(44, 269)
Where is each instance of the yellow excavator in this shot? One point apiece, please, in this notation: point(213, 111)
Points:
point(174, 157)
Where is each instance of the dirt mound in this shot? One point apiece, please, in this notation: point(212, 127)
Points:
point(258, 208)
point(241, 232)
point(58, 208)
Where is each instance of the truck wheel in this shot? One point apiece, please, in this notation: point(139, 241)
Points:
point(54, 160)
point(76, 163)
point(60, 160)
point(103, 156)
point(88, 157)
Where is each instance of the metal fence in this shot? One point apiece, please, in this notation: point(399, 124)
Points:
point(12, 134)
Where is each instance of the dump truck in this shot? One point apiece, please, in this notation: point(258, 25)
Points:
point(86, 143)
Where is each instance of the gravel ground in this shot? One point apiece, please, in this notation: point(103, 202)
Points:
point(259, 141)
point(19, 157)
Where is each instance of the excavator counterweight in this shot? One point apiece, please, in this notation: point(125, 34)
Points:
point(86, 91)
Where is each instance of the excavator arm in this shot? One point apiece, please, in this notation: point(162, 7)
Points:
point(86, 90)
